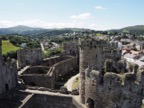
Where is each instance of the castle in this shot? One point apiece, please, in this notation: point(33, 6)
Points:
point(106, 80)
point(8, 73)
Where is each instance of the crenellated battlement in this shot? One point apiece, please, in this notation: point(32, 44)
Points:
point(93, 43)
point(112, 79)
point(111, 89)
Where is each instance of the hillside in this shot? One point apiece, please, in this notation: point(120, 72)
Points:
point(36, 32)
point(18, 29)
point(40, 32)
point(7, 47)
point(138, 29)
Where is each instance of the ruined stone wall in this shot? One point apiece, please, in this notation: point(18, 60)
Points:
point(29, 57)
point(8, 76)
point(8, 73)
point(48, 79)
point(38, 80)
point(116, 91)
point(70, 48)
point(64, 67)
point(53, 60)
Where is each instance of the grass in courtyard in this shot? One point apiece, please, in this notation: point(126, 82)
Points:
point(75, 84)
point(7, 47)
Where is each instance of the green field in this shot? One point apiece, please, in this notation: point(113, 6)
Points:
point(7, 47)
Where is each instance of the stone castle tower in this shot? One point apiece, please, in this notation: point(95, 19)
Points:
point(8, 73)
point(105, 80)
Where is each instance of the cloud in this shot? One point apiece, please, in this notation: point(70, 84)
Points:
point(41, 24)
point(82, 16)
point(100, 8)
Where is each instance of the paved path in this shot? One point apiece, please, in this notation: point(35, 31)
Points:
point(70, 82)
point(42, 46)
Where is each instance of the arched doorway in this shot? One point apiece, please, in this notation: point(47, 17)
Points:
point(90, 103)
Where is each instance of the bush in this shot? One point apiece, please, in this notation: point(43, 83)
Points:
point(11, 54)
point(49, 52)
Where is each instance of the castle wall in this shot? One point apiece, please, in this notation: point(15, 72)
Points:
point(64, 67)
point(70, 48)
point(29, 57)
point(53, 74)
point(51, 61)
point(8, 76)
point(38, 80)
point(8, 73)
point(117, 91)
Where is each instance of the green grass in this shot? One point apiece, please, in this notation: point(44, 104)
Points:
point(75, 84)
point(7, 47)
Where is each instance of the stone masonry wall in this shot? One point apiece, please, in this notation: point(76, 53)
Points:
point(70, 48)
point(53, 102)
point(56, 71)
point(64, 67)
point(8, 73)
point(117, 91)
point(53, 60)
point(29, 57)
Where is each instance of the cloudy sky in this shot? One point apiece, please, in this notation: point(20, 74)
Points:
point(93, 14)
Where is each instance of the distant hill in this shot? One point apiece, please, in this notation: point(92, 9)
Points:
point(36, 32)
point(17, 29)
point(138, 29)
point(39, 32)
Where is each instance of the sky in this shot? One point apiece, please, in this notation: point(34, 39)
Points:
point(92, 14)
